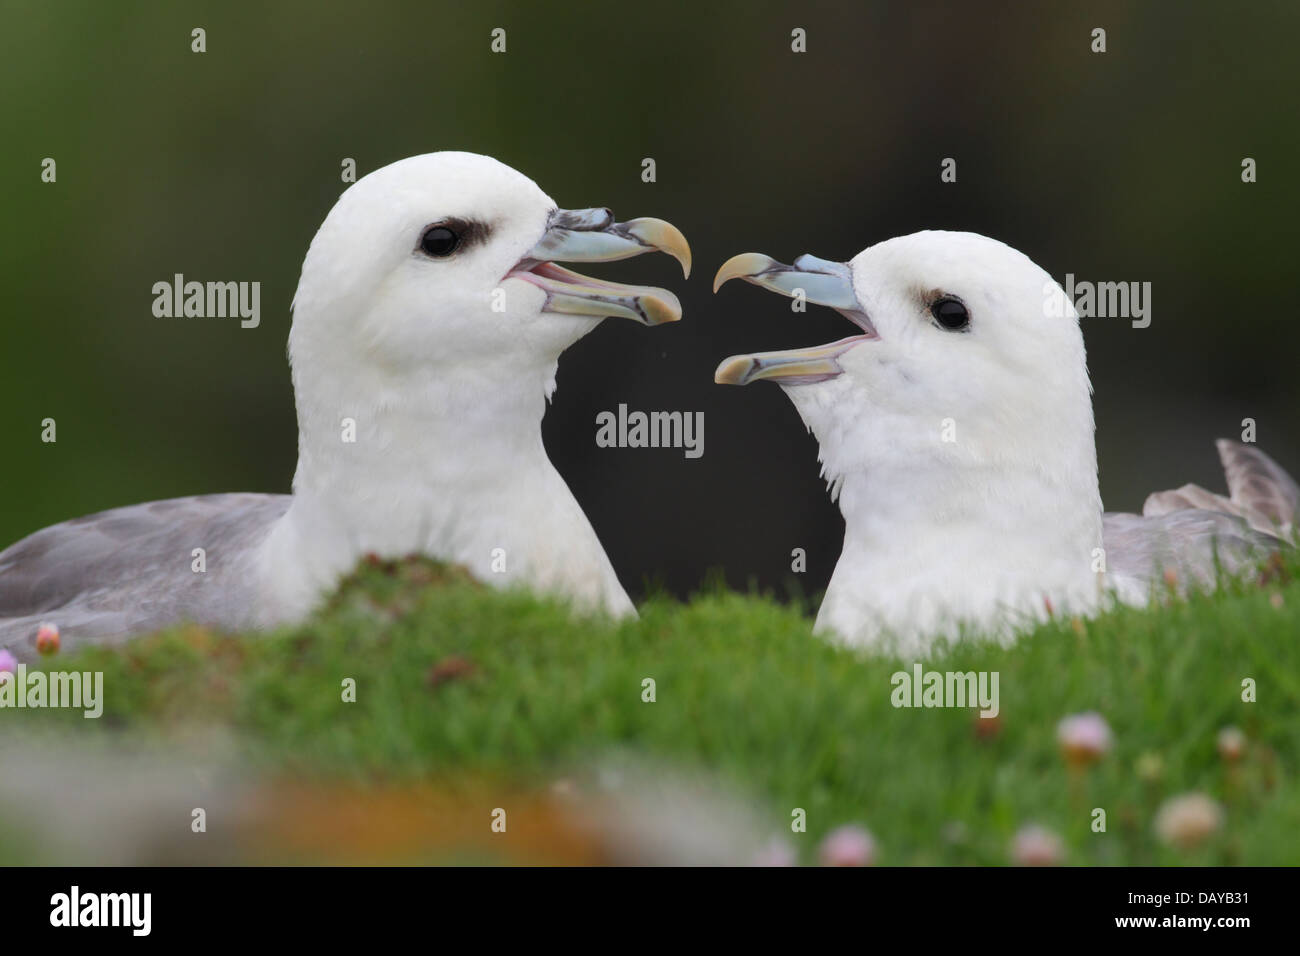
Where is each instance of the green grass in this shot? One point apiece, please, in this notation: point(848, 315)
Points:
point(746, 691)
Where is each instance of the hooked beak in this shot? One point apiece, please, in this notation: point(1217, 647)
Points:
point(592, 235)
point(819, 281)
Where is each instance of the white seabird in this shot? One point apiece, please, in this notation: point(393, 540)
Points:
point(431, 316)
point(956, 431)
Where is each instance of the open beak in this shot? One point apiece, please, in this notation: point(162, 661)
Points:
point(820, 282)
point(592, 235)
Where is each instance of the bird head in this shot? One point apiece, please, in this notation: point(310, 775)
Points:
point(967, 354)
point(451, 258)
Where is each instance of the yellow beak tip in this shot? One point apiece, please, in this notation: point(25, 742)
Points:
point(683, 257)
point(659, 312)
point(743, 266)
point(733, 371)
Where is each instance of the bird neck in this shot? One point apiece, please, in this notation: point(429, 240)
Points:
point(374, 439)
point(450, 465)
point(930, 542)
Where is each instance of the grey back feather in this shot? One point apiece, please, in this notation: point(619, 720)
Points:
point(1195, 533)
point(1257, 482)
point(1192, 544)
point(106, 576)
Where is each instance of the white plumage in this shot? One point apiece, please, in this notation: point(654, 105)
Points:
point(421, 381)
point(963, 459)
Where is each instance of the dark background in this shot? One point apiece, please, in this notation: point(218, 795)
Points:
point(1122, 166)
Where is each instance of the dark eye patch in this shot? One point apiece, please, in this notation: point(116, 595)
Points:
point(449, 237)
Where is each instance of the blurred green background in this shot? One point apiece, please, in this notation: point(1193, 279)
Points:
point(1122, 166)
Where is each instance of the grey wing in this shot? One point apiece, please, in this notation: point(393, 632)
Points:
point(1194, 497)
point(1193, 544)
point(1260, 492)
point(1257, 482)
point(107, 576)
point(1194, 533)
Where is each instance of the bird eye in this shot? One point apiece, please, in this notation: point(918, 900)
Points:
point(950, 312)
point(439, 242)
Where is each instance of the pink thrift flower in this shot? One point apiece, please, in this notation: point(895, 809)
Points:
point(1188, 820)
point(848, 846)
point(1083, 738)
point(1037, 846)
point(1231, 743)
